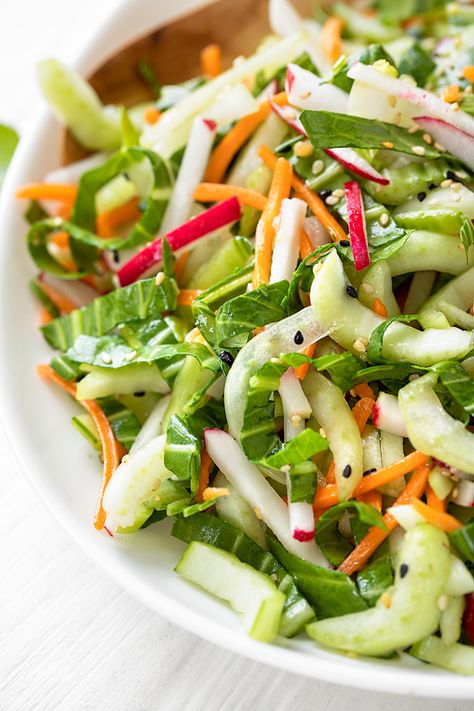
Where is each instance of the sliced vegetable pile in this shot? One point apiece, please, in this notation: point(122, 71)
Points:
point(260, 288)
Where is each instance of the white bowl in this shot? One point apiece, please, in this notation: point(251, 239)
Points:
point(65, 472)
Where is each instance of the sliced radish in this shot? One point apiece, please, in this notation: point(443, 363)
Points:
point(255, 489)
point(287, 239)
point(459, 143)
point(306, 91)
point(290, 116)
point(316, 232)
point(387, 415)
point(301, 517)
point(351, 160)
point(425, 100)
point(76, 292)
point(356, 222)
point(224, 213)
point(191, 172)
point(463, 493)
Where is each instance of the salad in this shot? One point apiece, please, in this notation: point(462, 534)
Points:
point(259, 287)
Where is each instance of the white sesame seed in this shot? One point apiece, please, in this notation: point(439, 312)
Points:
point(460, 174)
point(305, 95)
point(384, 219)
point(338, 193)
point(468, 89)
point(397, 118)
point(275, 361)
point(322, 432)
point(125, 458)
point(419, 150)
point(413, 129)
point(332, 200)
point(159, 279)
point(258, 513)
point(456, 187)
point(106, 357)
point(296, 420)
point(131, 355)
point(386, 600)
point(439, 146)
point(427, 138)
point(413, 376)
point(455, 106)
point(368, 288)
point(456, 197)
point(387, 144)
point(303, 149)
point(57, 221)
point(289, 114)
point(392, 100)
point(455, 493)
point(317, 167)
point(446, 183)
point(443, 601)
point(359, 345)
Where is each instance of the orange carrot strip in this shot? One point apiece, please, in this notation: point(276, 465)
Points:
point(362, 411)
point(45, 316)
point(468, 72)
point(438, 518)
point(279, 190)
point(204, 471)
point(305, 245)
point(327, 496)
point(212, 192)
point(433, 501)
point(187, 296)
point(64, 209)
point(223, 154)
point(331, 38)
point(180, 264)
point(111, 449)
point(62, 303)
point(211, 60)
point(363, 390)
point(451, 93)
point(315, 204)
point(152, 115)
point(214, 492)
point(373, 498)
point(378, 307)
point(302, 370)
point(361, 553)
point(106, 222)
point(48, 191)
point(61, 239)
point(331, 475)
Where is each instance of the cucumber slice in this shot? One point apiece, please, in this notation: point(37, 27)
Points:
point(250, 593)
point(433, 251)
point(451, 620)
point(441, 484)
point(114, 193)
point(377, 283)
point(230, 256)
point(458, 658)
point(438, 212)
point(413, 612)
point(190, 379)
point(458, 292)
point(102, 382)
point(86, 426)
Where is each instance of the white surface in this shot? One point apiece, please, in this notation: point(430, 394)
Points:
point(70, 638)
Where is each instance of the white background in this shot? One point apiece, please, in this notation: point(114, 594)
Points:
point(70, 639)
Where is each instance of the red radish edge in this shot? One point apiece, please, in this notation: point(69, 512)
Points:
point(212, 125)
point(468, 618)
point(356, 222)
point(282, 112)
point(454, 139)
point(375, 414)
point(212, 219)
point(290, 78)
point(303, 535)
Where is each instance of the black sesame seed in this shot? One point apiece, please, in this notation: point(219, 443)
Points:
point(403, 570)
point(344, 243)
point(226, 357)
point(116, 256)
point(323, 194)
point(351, 291)
point(421, 196)
point(432, 186)
point(139, 393)
point(451, 175)
point(369, 471)
point(347, 471)
point(298, 338)
point(126, 176)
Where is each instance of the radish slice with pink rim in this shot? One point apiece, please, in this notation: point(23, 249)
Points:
point(306, 91)
point(459, 143)
point(224, 213)
point(387, 415)
point(356, 222)
point(347, 157)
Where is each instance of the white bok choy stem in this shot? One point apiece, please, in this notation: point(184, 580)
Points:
point(191, 172)
point(276, 339)
point(287, 239)
point(306, 91)
point(151, 428)
point(254, 488)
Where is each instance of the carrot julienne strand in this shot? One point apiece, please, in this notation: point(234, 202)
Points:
point(204, 471)
point(378, 307)
point(214, 192)
point(433, 501)
point(48, 191)
point(440, 519)
point(187, 296)
point(331, 38)
point(106, 222)
point(211, 60)
point(302, 370)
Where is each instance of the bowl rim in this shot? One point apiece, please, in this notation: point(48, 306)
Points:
point(123, 25)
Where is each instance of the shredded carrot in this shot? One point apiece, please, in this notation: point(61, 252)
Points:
point(373, 498)
point(45, 316)
point(152, 115)
point(331, 475)
point(327, 496)
point(302, 370)
point(112, 451)
point(211, 60)
point(64, 209)
point(187, 296)
point(62, 303)
point(223, 154)
point(451, 93)
point(433, 501)
point(468, 72)
point(438, 518)
point(361, 553)
point(315, 204)
point(279, 190)
point(61, 240)
point(106, 222)
point(363, 390)
point(378, 307)
point(331, 38)
point(362, 411)
point(305, 245)
point(214, 492)
point(180, 264)
point(204, 471)
point(212, 192)
point(48, 191)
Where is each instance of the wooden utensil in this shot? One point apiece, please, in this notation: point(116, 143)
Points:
point(173, 52)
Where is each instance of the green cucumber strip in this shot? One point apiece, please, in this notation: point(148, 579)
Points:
point(458, 658)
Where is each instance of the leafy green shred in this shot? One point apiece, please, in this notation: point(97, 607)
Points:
point(458, 384)
point(124, 423)
point(8, 143)
point(466, 235)
point(43, 298)
point(463, 540)
point(147, 73)
point(375, 347)
point(375, 578)
point(395, 12)
point(342, 367)
point(418, 63)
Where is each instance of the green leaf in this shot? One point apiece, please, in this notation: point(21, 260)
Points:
point(458, 384)
point(466, 235)
point(327, 129)
point(143, 299)
point(124, 422)
point(395, 12)
point(463, 540)
point(416, 62)
point(167, 258)
point(330, 592)
point(8, 143)
point(342, 367)
point(327, 536)
point(130, 135)
point(375, 578)
point(38, 238)
point(375, 347)
point(34, 213)
point(298, 450)
point(147, 73)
